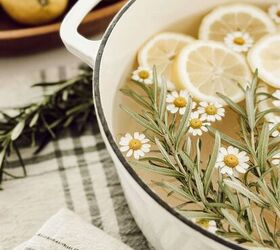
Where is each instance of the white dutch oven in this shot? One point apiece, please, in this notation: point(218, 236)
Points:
point(110, 57)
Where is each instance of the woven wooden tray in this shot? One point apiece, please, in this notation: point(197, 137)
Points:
point(16, 39)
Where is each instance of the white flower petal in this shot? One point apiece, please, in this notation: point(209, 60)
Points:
point(128, 136)
point(136, 155)
point(175, 94)
point(224, 151)
point(275, 134)
point(129, 153)
point(124, 141)
point(276, 103)
point(170, 99)
point(220, 157)
point(240, 169)
point(145, 140)
point(204, 104)
point(146, 149)
point(233, 150)
point(174, 110)
point(212, 223)
point(242, 154)
point(184, 93)
point(148, 81)
point(136, 135)
point(227, 170)
point(141, 137)
point(204, 129)
point(275, 161)
point(182, 111)
point(212, 229)
point(124, 148)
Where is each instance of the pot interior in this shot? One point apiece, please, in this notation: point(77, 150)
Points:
point(137, 24)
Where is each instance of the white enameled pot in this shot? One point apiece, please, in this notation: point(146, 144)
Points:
point(110, 57)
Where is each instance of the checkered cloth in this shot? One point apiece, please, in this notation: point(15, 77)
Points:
point(72, 172)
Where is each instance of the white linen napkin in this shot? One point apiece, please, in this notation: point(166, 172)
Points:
point(65, 230)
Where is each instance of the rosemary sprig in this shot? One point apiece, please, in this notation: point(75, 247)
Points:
point(230, 201)
point(36, 124)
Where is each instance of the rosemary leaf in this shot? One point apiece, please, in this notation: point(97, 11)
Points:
point(158, 170)
point(141, 120)
point(199, 185)
point(233, 105)
point(164, 153)
point(176, 190)
point(183, 125)
point(236, 225)
point(162, 100)
point(17, 130)
point(250, 108)
point(239, 187)
point(38, 123)
point(263, 147)
point(229, 140)
point(200, 215)
point(211, 165)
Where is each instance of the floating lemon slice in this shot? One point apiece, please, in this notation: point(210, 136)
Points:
point(206, 67)
point(247, 19)
point(265, 103)
point(265, 56)
point(161, 52)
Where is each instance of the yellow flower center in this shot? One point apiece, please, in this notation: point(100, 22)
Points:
point(180, 102)
point(211, 110)
point(203, 223)
point(239, 41)
point(278, 128)
point(135, 144)
point(143, 74)
point(196, 123)
point(278, 13)
point(231, 161)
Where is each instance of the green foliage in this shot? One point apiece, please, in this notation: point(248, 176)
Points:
point(230, 201)
point(69, 106)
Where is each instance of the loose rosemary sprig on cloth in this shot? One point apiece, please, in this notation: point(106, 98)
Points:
point(70, 105)
point(239, 205)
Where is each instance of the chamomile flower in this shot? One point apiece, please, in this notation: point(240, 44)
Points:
point(276, 95)
point(276, 132)
point(177, 102)
point(274, 13)
point(211, 111)
point(230, 160)
point(136, 145)
point(209, 225)
point(143, 75)
point(197, 125)
point(239, 41)
point(276, 159)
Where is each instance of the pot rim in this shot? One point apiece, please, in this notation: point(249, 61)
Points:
point(115, 148)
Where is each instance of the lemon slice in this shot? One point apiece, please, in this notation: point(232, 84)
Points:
point(206, 67)
point(265, 56)
point(265, 103)
point(161, 52)
point(232, 18)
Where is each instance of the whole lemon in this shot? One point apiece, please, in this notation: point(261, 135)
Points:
point(34, 12)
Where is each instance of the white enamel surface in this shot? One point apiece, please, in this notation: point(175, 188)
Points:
point(81, 47)
point(142, 20)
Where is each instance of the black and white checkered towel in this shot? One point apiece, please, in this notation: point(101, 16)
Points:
point(73, 172)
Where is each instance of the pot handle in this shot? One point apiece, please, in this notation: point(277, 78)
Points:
point(78, 45)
